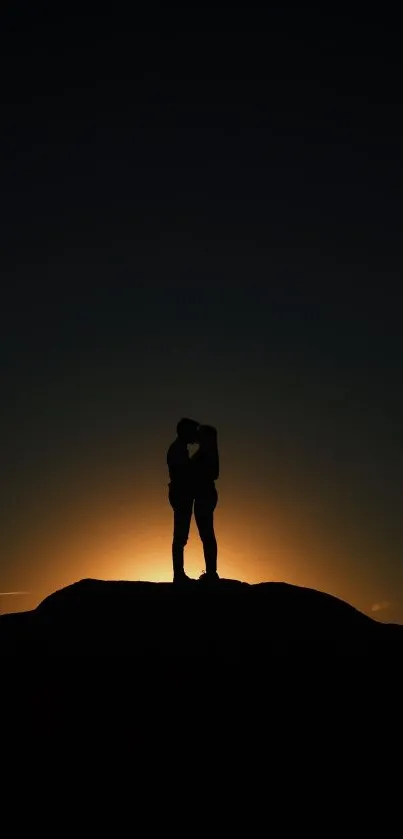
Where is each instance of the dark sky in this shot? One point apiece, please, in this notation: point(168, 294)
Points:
point(201, 215)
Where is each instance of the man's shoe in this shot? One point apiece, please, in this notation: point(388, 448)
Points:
point(182, 579)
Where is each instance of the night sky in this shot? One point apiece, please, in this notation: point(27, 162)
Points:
point(201, 216)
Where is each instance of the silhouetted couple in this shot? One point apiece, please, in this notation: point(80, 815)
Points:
point(192, 486)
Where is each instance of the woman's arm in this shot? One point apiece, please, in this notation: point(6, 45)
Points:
point(209, 447)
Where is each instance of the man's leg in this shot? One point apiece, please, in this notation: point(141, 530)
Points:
point(182, 519)
point(204, 515)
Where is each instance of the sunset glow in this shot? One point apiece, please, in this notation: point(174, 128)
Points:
point(133, 542)
point(253, 547)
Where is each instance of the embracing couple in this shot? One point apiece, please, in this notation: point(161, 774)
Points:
point(192, 486)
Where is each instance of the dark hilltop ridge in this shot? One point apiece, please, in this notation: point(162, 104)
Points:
point(227, 619)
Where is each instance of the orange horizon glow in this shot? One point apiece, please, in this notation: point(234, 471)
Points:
point(154, 565)
point(255, 544)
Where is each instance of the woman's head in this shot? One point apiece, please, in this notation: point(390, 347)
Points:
point(207, 435)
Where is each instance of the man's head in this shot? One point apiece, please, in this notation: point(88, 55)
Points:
point(187, 430)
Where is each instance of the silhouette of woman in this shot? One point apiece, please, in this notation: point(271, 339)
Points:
point(205, 471)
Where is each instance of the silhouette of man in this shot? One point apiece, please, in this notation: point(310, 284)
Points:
point(192, 482)
point(181, 492)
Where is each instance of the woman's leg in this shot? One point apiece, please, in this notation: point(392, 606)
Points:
point(204, 515)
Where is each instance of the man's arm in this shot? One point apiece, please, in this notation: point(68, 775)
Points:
point(178, 463)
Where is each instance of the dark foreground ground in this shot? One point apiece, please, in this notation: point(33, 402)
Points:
point(229, 619)
point(140, 658)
